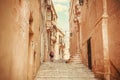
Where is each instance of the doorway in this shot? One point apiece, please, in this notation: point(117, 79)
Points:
point(89, 54)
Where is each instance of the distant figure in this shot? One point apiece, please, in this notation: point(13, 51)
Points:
point(51, 56)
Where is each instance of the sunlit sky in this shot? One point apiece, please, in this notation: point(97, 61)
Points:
point(62, 7)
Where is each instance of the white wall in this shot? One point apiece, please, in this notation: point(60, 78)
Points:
point(42, 48)
point(67, 52)
point(57, 48)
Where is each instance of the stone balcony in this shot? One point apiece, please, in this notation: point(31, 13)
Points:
point(48, 24)
point(62, 44)
point(53, 38)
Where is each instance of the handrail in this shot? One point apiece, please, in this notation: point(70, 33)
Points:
point(115, 67)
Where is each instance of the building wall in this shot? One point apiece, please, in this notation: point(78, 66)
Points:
point(42, 29)
point(91, 27)
point(16, 19)
point(56, 56)
point(45, 41)
point(91, 24)
point(73, 36)
point(58, 46)
point(34, 39)
point(48, 29)
point(13, 35)
point(67, 46)
point(92, 12)
point(114, 39)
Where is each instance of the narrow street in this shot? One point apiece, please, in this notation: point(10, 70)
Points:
point(81, 37)
point(59, 70)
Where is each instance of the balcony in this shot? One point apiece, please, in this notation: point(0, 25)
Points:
point(54, 23)
point(48, 24)
point(77, 9)
point(75, 19)
point(62, 45)
point(53, 38)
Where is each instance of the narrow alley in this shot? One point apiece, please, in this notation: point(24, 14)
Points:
point(59, 40)
point(59, 70)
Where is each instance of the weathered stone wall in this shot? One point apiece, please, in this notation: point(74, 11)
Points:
point(73, 41)
point(34, 38)
point(73, 37)
point(114, 39)
point(91, 29)
point(14, 38)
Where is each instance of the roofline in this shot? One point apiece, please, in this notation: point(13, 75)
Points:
point(54, 8)
point(60, 31)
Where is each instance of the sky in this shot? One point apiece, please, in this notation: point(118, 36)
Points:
point(62, 7)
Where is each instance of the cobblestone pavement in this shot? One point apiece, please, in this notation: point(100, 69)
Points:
point(64, 71)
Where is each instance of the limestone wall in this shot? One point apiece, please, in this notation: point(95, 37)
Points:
point(91, 24)
point(114, 39)
point(16, 19)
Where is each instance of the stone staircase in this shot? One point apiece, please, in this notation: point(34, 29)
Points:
point(63, 71)
point(76, 59)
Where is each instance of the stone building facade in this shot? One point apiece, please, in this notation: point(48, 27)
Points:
point(45, 4)
point(20, 23)
point(98, 27)
point(59, 45)
point(75, 31)
point(24, 37)
point(49, 29)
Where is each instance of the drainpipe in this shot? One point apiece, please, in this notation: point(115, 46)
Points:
point(105, 41)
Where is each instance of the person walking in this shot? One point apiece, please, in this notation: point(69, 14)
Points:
point(51, 56)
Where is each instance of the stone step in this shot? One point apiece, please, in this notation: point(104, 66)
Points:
point(76, 57)
point(77, 74)
point(64, 71)
point(76, 60)
point(80, 72)
point(63, 78)
point(67, 75)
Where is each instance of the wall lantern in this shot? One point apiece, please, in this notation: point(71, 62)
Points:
point(81, 2)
